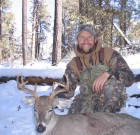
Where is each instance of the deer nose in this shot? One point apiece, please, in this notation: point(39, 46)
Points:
point(40, 128)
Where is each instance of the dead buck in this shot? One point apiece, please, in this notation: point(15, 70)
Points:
point(100, 123)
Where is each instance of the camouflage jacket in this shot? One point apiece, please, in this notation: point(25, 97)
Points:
point(117, 66)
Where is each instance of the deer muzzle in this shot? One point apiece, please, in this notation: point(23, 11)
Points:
point(40, 128)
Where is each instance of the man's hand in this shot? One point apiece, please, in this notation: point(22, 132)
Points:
point(99, 82)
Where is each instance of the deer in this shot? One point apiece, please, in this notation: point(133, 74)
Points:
point(98, 123)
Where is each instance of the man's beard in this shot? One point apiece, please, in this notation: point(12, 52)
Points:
point(81, 50)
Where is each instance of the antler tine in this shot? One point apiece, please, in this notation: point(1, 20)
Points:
point(64, 89)
point(66, 86)
point(23, 88)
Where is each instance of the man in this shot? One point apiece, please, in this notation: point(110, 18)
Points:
point(102, 74)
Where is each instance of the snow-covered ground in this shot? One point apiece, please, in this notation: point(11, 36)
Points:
point(16, 118)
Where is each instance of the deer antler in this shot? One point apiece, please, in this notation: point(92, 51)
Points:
point(64, 89)
point(23, 88)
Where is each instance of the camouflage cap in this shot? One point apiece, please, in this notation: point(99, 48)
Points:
point(86, 27)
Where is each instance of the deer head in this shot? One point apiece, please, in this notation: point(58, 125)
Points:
point(43, 105)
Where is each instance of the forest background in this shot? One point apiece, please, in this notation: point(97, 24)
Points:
point(36, 29)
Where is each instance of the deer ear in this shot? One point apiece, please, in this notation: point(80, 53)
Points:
point(29, 100)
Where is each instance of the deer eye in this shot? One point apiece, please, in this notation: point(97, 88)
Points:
point(50, 110)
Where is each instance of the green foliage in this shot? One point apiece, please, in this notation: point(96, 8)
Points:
point(5, 4)
point(43, 15)
point(101, 14)
point(70, 19)
point(8, 28)
point(134, 32)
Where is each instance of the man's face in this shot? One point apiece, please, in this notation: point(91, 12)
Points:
point(86, 41)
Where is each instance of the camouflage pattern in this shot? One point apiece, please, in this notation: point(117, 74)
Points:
point(111, 98)
point(120, 69)
point(88, 76)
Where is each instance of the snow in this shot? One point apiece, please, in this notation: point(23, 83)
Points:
point(16, 118)
point(41, 69)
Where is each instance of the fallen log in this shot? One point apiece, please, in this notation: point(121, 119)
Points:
point(137, 78)
point(38, 76)
point(135, 95)
point(32, 80)
point(135, 106)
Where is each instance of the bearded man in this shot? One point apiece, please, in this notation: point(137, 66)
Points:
point(102, 74)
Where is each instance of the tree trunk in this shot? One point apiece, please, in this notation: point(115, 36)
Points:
point(0, 30)
point(24, 31)
point(37, 36)
point(82, 8)
point(57, 41)
point(123, 21)
point(34, 28)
